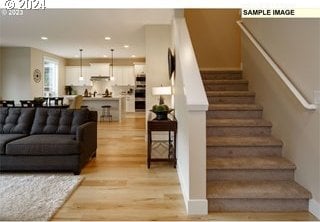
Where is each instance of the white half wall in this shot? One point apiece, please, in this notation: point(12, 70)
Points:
point(294, 45)
point(191, 105)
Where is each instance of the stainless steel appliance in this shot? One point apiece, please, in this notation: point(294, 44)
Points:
point(140, 93)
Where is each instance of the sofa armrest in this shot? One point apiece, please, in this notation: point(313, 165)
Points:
point(85, 130)
point(87, 136)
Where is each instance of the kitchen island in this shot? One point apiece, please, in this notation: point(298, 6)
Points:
point(118, 105)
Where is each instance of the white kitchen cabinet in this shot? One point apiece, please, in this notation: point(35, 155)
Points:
point(139, 68)
point(130, 107)
point(128, 77)
point(73, 75)
point(99, 69)
point(123, 76)
point(117, 74)
point(86, 72)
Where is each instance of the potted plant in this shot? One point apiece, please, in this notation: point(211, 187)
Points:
point(38, 101)
point(161, 111)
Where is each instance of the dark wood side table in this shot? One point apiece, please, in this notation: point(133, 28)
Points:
point(169, 125)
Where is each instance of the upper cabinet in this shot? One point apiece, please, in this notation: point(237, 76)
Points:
point(139, 68)
point(73, 76)
point(123, 76)
point(95, 69)
point(99, 69)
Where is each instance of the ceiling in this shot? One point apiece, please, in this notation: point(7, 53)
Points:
point(68, 30)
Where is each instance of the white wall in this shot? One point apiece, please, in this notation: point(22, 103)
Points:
point(17, 66)
point(294, 44)
point(190, 106)
point(15, 70)
point(37, 60)
point(157, 40)
point(0, 75)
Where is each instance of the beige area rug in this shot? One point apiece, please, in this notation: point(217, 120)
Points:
point(34, 196)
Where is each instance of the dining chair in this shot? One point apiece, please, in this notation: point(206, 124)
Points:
point(59, 100)
point(7, 103)
point(76, 103)
point(27, 103)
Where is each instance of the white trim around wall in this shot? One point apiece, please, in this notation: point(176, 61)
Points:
point(314, 208)
point(182, 185)
point(193, 206)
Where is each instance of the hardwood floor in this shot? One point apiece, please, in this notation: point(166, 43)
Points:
point(118, 185)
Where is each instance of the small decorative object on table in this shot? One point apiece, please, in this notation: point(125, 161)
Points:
point(161, 111)
point(38, 101)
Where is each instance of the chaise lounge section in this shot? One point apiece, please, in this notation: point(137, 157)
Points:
point(47, 139)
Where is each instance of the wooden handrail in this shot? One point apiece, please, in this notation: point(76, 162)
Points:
point(277, 69)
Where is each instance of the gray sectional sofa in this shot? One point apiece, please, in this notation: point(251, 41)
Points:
point(46, 139)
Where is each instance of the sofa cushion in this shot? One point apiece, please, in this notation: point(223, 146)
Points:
point(3, 116)
point(44, 145)
point(6, 138)
point(58, 121)
point(18, 121)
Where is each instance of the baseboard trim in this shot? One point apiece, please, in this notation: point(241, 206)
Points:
point(197, 207)
point(314, 208)
point(193, 206)
point(182, 185)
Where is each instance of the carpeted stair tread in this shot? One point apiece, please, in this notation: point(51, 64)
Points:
point(217, 72)
point(224, 81)
point(230, 93)
point(238, 122)
point(265, 163)
point(242, 141)
point(235, 107)
point(257, 190)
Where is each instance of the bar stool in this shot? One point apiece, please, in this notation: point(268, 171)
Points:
point(106, 113)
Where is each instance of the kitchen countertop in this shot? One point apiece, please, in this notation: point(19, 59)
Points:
point(101, 98)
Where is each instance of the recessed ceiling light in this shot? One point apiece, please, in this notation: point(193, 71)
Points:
point(105, 56)
point(44, 38)
point(133, 56)
point(126, 46)
point(107, 38)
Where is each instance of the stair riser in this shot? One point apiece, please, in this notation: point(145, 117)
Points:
point(234, 114)
point(243, 151)
point(257, 205)
point(213, 175)
point(226, 87)
point(239, 131)
point(221, 76)
point(231, 100)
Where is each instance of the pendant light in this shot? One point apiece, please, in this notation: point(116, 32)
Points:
point(111, 76)
point(81, 76)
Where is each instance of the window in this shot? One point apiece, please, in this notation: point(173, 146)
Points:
point(50, 78)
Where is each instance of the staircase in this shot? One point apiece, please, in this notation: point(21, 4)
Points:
point(245, 169)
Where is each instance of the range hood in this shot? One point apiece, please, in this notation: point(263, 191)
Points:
point(100, 78)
